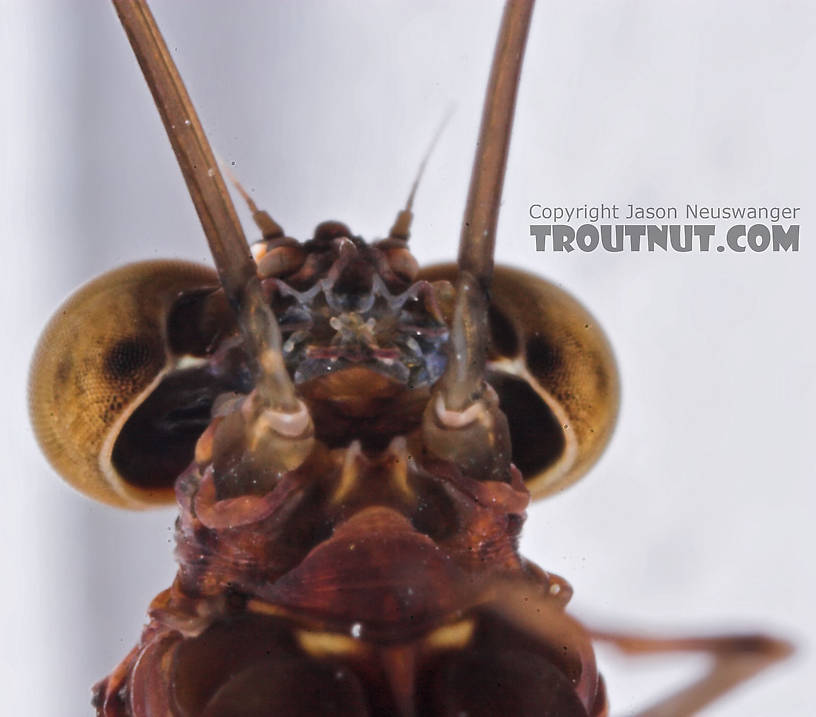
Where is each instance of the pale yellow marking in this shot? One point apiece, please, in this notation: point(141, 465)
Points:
point(328, 644)
point(204, 446)
point(450, 637)
point(349, 474)
point(399, 467)
point(265, 608)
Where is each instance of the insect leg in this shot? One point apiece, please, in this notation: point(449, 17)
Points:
point(106, 692)
point(736, 659)
point(204, 181)
point(487, 178)
point(535, 608)
point(464, 376)
point(272, 409)
point(463, 423)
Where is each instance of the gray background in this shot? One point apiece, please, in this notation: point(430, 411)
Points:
point(699, 517)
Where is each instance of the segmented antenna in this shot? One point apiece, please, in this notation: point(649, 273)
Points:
point(401, 228)
point(463, 378)
point(233, 260)
point(270, 229)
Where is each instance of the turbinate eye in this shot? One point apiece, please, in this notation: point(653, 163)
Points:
point(278, 257)
point(119, 389)
point(555, 375)
point(402, 263)
point(399, 258)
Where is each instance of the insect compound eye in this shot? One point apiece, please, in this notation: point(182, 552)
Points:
point(396, 260)
point(329, 231)
point(554, 372)
point(129, 357)
point(121, 384)
point(402, 263)
point(278, 257)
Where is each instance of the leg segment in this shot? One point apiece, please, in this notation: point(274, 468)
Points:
point(735, 659)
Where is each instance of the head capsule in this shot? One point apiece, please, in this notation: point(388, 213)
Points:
point(361, 337)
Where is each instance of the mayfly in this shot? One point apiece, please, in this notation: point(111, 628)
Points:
point(348, 437)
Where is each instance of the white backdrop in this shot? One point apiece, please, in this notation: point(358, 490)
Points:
point(699, 517)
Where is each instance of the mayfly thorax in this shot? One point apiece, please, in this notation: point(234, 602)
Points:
point(352, 441)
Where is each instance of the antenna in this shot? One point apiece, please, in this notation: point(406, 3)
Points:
point(270, 229)
point(401, 228)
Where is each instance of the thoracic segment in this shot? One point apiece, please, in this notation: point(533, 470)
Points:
point(366, 574)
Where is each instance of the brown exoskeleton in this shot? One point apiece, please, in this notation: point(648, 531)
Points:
point(348, 526)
